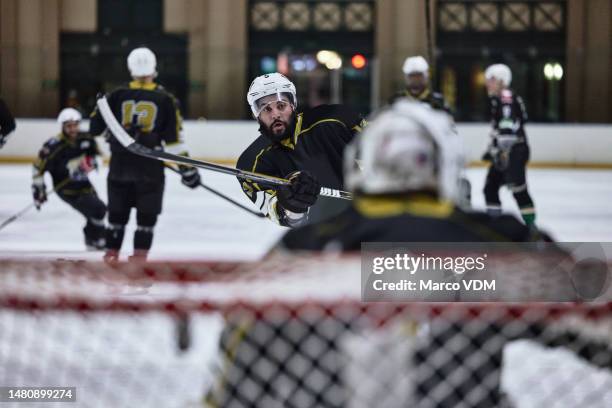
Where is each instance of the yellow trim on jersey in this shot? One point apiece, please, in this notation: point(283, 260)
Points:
point(419, 205)
point(148, 86)
point(420, 97)
point(253, 169)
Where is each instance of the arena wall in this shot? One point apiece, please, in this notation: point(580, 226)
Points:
point(564, 145)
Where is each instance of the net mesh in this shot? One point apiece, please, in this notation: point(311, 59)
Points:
point(288, 332)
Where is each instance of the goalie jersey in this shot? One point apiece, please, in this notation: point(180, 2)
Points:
point(420, 218)
point(317, 145)
point(151, 115)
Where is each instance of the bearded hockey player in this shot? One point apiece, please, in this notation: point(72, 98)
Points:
point(404, 173)
point(305, 147)
point(152, 116)
point(508, 151)
point(69, 157)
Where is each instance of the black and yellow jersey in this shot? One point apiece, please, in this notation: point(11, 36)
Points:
point(152, 116)
point(419, 218)
point(508, 114)
point(61, 156)
point(317, 145)
point(433, 99)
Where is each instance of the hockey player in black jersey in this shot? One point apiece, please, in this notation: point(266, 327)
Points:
point(404, 172)
point(152, 116)
point(305, 147)
point(68, 157)
point(416, 71)
point(508, 151)
point(7, 123)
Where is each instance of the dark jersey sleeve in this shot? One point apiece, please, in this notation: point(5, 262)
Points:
point(172, 129)
point(96, 122)
point(7, 122)
point(46, 157)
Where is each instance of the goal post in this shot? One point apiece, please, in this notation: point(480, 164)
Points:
point(288, 331)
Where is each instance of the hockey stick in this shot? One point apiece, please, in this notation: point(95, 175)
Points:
point(31, 205)
point(221, 195)
point(130, 144)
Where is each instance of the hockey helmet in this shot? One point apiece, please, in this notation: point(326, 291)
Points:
point(499, 71)
point(142, 62)
point(69, 115)
point(416, 64)
point(270, 84)
point(407, 147)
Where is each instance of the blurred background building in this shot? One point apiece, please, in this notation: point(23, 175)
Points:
point(56, 53)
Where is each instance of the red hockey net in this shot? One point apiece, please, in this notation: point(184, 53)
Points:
point(288, 332)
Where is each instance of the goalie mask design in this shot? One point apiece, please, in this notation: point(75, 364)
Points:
point(406, 148)
point(270, 84)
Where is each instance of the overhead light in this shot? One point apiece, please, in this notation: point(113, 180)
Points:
point(325, 55)
point(549, 71)
point(557, 71)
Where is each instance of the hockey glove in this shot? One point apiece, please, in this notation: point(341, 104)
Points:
point(302, 193)
point(190, 176)
point(39, 192)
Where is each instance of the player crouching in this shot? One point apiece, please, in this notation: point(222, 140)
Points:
point(69, 157)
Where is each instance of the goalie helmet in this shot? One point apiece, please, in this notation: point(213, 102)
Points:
point(69, 115)
point(501, 72)
point(270, 84)
point(406, 148)
point(416, 64)
point(142, 62)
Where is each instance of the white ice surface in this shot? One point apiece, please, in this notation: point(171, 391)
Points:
point(122, 362)
point(572, 205)
point(195, 224)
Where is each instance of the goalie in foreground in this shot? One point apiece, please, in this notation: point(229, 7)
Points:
point(404, 172)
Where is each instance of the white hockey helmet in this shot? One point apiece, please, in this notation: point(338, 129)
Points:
point(69, 115)
point(142, 62)
point(407, 147)
point(270, 84)
point(499, 71)
point(416, 64)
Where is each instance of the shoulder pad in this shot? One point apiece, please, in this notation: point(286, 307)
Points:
point(336, 111)
point(48, 147)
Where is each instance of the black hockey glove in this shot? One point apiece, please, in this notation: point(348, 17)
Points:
point(39, 192)
point(190, 176)
point(300, 194)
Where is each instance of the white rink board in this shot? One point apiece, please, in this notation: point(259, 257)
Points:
point(225, 140)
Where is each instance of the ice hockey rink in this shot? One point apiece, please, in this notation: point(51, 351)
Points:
point(573, 205)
